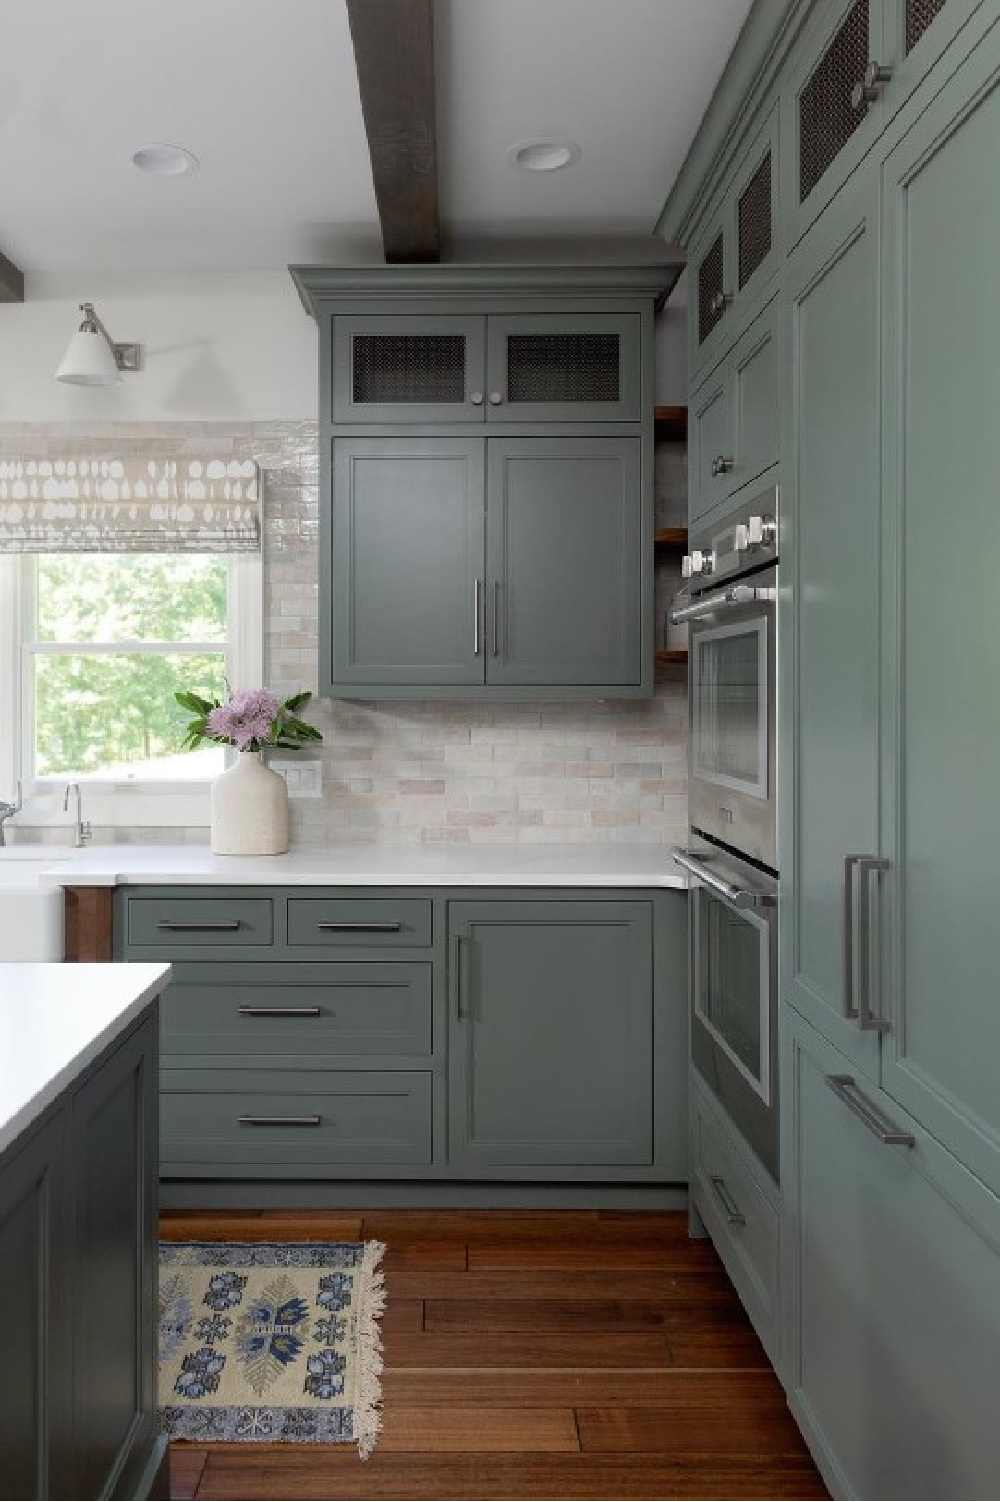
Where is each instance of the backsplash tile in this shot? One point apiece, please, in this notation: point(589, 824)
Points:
point(424, 772)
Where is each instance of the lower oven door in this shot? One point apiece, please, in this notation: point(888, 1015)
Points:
point(734, 988)
point(732, 736)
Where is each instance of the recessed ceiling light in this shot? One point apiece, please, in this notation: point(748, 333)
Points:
point(162, 160)
point(543, 156)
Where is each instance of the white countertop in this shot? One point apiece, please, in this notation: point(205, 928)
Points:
point(54, 1021)
point(378, 866)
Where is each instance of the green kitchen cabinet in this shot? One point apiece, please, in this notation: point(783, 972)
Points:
point(78, 1239)
point(579, 366)
point(403, 565)
point(506, 565)
point(894, 1320)
point(408, 368)
point(549, 1035)
point(830, 691)
point(941, 819)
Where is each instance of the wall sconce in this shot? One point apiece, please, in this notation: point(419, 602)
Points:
point(92, 357)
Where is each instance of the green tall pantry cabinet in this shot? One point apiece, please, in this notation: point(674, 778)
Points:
point(486, 479)
point(889, 336)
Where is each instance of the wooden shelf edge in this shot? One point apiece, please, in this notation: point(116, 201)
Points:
point(670, 424)
point(664, 655)
point(671, 537)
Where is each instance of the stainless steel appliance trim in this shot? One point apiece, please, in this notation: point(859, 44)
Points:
point(730, 1209)
point(764, 923)
point(738, 897)
point(868, 1021)
point(759, 789)
point(845, 1088)
point(739, 594)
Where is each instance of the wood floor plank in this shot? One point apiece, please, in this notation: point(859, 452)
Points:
point(213, 1228)
point(560, 1225)
point(449, 1255)
point(402, 1316)
point(708, 1285)
point(746, 1428)
point(313, 1225)
point(433, 1428)
point(500, 1348)
point(589, 1253)
point(719, 1336)
point(537, 1316)
point(329, 1475)
point(187, 1463)
point(615, 1387)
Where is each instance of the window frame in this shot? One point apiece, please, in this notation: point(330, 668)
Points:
point(110, 803)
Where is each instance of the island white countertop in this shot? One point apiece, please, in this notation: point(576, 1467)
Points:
point(54, 1021)
point(376, 866)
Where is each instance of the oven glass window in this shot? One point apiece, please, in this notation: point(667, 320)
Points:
point(730, 698)
point(733, 980)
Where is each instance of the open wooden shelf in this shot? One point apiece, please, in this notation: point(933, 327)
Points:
point(664, 655)
point(673, 538)
point(670, 424)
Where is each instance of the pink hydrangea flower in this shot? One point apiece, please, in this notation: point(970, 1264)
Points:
point(247, 718)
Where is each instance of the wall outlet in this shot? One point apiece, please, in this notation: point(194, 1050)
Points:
point(304, 778)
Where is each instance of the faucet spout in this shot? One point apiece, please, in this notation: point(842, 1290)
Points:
point(8, 810)
point(81, 826)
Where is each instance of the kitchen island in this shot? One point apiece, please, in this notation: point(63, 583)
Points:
point(78, 1206)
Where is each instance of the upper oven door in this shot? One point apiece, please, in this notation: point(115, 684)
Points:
point(732, 739)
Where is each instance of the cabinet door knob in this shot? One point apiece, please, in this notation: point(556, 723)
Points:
point(476, 398)
point(721, 465)
point(866, 89)
point(720, 302)
point(495, 398)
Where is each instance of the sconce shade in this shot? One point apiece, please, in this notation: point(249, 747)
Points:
point(89, 361)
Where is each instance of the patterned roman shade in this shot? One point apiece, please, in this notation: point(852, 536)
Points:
point(129, 506)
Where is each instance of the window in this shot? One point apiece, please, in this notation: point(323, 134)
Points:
point(99, 643)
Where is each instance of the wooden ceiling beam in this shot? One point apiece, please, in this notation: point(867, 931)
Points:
point(11, 281)
point(394, 54)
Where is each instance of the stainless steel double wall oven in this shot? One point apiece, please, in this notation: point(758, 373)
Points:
point(731, 858)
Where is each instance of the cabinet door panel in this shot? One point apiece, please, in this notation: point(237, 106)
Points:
point(408, 369)
point(564, 367)
point(406, 554)
point(115, 1160)
point(564, 551)
point(755, 399)
point(33, 1409)
point(550, 1058)
point(711, 437)
point(942, 361)
point(895, 1316)
point(831, 672)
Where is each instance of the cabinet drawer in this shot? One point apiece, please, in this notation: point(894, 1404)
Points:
point(741, 1220)
point(298, 1123)
point(173, 923)
point(358, 921)
point(310, 1009)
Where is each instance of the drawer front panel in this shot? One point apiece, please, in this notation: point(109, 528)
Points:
point(359, 922)
point(301, 1009)
point(742, 1223)
point(283, 1119)
point(170, 923)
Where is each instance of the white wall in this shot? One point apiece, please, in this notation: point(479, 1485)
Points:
point(671, 387)
point(216, 347)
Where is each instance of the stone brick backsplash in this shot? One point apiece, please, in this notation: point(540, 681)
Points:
point(429, 771)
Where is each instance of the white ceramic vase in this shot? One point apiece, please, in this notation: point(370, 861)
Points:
point(249, 809)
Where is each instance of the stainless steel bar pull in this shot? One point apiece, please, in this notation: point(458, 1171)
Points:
point(868, 1021)
point(278, 1011)
point(289, 1121)
point(734, 1215)
point(845, 1088)
point(496, 617)
point(727, 599)
point(740, 897)
point(477, 611)
point(850, 1010)
point(204, 926)
point(455, 973)
point(387, 927)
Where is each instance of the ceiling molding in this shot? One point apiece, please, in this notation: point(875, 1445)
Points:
point(11, 281)
point(394, 53)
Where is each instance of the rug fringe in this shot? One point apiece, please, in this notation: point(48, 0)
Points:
point(371, 1307)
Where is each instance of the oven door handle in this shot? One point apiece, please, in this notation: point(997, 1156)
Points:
point(729, 599)
point(740, 897)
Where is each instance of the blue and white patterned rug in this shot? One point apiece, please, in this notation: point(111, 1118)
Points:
point(274, 1342)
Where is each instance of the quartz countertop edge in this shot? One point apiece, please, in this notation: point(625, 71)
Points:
point(625, 866)
point(55, 1020)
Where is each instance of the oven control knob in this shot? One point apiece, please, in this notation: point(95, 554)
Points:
point(742, 539)
point(702, 563)
point(761, 531)
point(686, 566)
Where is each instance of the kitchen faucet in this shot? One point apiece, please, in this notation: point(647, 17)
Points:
point(82, 830)
point(8, 810)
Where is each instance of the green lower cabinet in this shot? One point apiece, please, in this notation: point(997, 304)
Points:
point(894, 1313)
point(78, 1266)
point(550, 1059)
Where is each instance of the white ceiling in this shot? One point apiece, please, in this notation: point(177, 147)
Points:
point(265, 93)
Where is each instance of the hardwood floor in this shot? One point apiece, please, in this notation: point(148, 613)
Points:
point(533, 1355)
